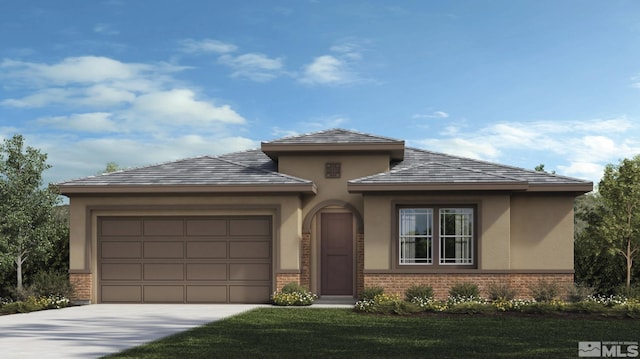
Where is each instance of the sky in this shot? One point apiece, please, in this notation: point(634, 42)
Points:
point(523, 83)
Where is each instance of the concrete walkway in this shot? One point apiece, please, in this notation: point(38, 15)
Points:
point(93, 331)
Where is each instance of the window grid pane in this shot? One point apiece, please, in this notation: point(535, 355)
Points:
point(456, 236)
point(416, 236)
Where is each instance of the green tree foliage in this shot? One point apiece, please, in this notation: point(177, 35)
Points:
point(620, 193)
point(27, 217)
point(595, 265)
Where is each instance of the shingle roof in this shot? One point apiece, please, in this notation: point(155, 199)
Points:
point(416, 169)
point(334, 136)
point(197, 171)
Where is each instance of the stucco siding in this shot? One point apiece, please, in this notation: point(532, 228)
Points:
point(542, 232)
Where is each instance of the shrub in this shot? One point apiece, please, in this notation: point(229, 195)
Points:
point(422, 291)
point(293, 287)
point(464, 290)
point(544, 291)
point(470, 308)
point(633, 292)
point(578, 293)
point(500, 292)
point(47, 283)
point(293, 294)
point(386, 304)
point(369, 293)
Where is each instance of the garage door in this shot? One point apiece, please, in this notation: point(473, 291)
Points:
point(184, 259)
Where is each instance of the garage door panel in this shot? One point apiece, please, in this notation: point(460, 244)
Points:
point(207, 294)
point(213, 250)
point(164, 271)
point(250, 227)
point(250, 249)
point(118, 250)
point(163, 294)
point(120, 227)
point(206, 227)
point(163, 227)
point(244, 271)
point(121, 293)
point(185, 259)
point(121, 271)
point(249, 294)
point(206, 271)
point(163, 249)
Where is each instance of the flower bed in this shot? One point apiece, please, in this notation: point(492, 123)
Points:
point(32, 303)
point(616, 306)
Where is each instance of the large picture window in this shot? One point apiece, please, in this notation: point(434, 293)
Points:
point(436, 236)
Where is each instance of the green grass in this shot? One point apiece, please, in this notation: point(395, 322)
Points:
point(342, 333)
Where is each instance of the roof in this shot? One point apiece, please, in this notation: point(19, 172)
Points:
point(198, 174)
point(255, 171)
point(334, 140)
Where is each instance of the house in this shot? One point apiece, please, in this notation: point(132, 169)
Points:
point(336, 211)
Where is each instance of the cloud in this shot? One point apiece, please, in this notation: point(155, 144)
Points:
point(337, 68)
point(105, 29)
point(326, 70)
point(179, 107)
point(206, 46)
point(253, 66)
point(434, 114)
point(96, 122)
point(73, 70)
point(580, 148)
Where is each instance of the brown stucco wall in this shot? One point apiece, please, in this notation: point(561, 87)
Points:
point(516, 231)
point(542, 231)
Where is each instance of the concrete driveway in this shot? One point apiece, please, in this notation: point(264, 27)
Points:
point(95, 330)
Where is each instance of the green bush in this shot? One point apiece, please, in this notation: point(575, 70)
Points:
point(20, 307)
point(422, 291)
point(369, 293)
point(578, 293)
point(293, 294)
point(464, 290)
point(500, 292)
point(471, 308)
point(386, 304)
point(586, 306)
point(544, 291)
point(633, 292)
point(47, 283)
point(293, 287)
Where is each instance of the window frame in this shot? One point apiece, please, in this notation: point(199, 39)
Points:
point(436, 240)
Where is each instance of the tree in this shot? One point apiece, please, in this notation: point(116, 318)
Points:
point(540, 168)
point(111, 167)
point(620, 193)
point(26, 208)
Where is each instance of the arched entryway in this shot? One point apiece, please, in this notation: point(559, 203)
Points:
point(332, 227)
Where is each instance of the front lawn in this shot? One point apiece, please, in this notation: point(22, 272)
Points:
point(342, 333)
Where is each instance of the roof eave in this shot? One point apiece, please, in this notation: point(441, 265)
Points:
point(274, 150)
point(451, 186)
point(303, 188)
point(571, 187)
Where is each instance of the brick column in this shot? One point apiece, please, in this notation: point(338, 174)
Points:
point(359, 264)
point(305, 260)
point(81, 283)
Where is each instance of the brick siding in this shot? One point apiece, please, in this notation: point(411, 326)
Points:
point(284, 278)
point(81, 283)
point(441, 283)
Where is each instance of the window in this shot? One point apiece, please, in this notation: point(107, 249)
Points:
point(332, 170)
point(447, 241)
